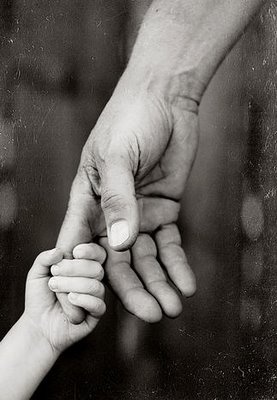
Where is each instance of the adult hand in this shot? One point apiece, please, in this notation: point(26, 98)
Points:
point(131, 177)
point(137, 159)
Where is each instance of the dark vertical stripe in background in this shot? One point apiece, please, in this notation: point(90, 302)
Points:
point(261, 80)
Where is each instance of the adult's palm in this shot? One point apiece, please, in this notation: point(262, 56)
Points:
point(131, 177)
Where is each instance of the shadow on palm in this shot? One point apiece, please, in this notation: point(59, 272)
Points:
point(133, 168)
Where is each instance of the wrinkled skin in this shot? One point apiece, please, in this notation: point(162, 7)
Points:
point(134, 166)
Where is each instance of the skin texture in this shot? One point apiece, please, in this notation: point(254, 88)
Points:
point(137, 159)
point(159, 182)
point(35, 342)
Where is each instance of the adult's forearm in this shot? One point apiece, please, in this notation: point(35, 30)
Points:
point(182, 42)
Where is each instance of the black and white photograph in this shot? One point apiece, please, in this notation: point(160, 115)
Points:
point(138, 199)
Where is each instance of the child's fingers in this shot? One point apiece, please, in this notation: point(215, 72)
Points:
point(49, 257)
point(60, 284)
point(90, 251)
point(82, 268)
point(94, 306)
point(44, 261)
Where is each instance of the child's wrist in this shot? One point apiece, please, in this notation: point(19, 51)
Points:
point(25, 358)
point(40, 343)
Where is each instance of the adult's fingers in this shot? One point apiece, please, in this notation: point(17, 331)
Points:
point(156, 211)
point(172, 256)
point(118, 200)
point(82, 216)
point(144, 257)
point(128, 287)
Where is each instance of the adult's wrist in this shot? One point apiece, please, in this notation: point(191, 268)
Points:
point(182, 89)
point(182, 42)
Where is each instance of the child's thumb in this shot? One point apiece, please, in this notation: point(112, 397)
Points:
point(44, 261)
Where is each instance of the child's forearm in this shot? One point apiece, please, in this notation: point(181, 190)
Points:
point(25, 358)
point(182, 42)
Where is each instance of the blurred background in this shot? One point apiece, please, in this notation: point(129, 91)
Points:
point(60, 60)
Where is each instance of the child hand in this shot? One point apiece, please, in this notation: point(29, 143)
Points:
point(80, 278)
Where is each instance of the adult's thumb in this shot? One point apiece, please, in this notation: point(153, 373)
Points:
point(119, 203)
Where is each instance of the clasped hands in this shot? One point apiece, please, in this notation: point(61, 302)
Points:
point(126, 195)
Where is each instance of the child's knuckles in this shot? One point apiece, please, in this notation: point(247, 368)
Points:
point(68, 268)
point(54, 284)
point(101, 293)
point(99, 307)
point(102, 254)
point(64, 263)
point(96, 287)
point(103, 307)
point(55, 270)
point(99, 271)
point(47, 256)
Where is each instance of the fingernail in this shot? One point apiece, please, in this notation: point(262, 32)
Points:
point(73, 296)
point(119, 233)
point(52, 284)
point(55, 270)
